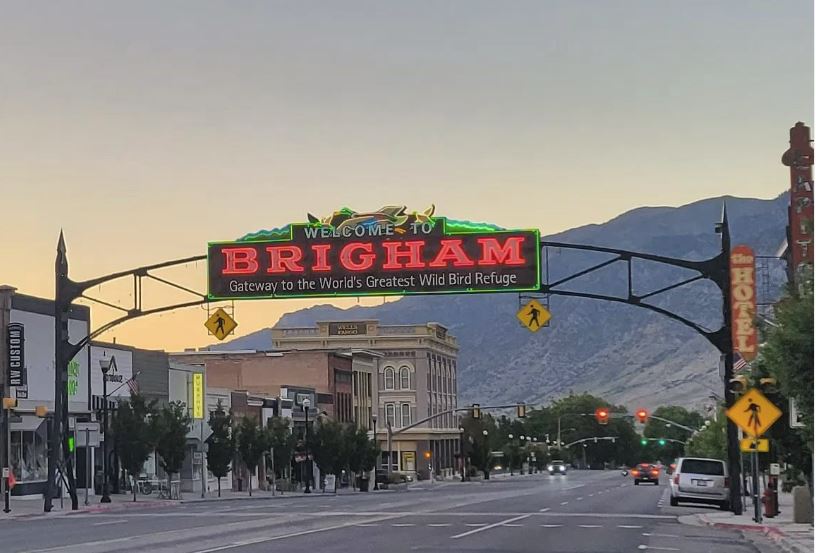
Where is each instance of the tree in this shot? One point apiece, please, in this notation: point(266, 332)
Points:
point(326, 444)
point(361, 452)
point(252, 442)
point(133, 427)
point(478, 446)
point(659, 429)
point(221, 444)
point(711, 442)
point(281, 441)
point(170, 428)
point(788, 356)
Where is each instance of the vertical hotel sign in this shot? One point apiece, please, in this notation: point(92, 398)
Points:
point(799, 157)
point(743, 301)
point(198, 396)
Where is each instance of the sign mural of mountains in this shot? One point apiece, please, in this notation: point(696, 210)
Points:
point(384, 252)
point(620, 352)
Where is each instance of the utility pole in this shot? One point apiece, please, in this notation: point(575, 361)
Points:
point(6, 293)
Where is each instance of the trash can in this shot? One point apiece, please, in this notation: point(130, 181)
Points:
point(363, 482)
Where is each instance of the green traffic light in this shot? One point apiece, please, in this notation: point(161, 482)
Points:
point(661, 441)
point(644, 441)
point(71, 444)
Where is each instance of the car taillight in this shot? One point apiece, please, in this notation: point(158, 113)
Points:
point(635, 473)
point(676, 479)
point(655, 473)
point(726, 482)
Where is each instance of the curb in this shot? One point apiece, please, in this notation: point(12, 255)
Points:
point(772, 532)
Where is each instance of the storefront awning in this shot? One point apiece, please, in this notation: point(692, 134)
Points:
point(29, 423)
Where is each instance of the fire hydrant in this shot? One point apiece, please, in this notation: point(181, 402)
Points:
point(770, 499)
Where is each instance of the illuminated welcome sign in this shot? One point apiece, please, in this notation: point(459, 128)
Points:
point(379, 253)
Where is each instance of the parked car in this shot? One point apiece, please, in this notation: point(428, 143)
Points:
point(697, 480)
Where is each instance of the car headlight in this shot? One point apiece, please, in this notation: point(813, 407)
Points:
point(562, 469)
point(549, 467)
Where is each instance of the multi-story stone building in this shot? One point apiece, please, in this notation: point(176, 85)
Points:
point(416, 378)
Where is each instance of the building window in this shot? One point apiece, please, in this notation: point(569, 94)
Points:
point(406, 414)
point(405, 378)
point(389, 378)
point(389, 414)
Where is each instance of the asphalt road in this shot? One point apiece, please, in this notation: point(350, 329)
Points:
point(588, 512)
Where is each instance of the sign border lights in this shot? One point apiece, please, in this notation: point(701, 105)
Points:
point(198, 396)
point(381, 253)
point(742, 264)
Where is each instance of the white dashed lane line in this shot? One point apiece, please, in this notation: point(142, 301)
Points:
point(590, 526)
point(552, 525)
point(544, 510)
point(564, 502)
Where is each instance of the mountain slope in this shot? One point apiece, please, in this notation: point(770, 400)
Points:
point(625, 353)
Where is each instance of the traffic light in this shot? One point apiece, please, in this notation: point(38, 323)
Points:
point(521, 410)
point(644, 441)
point(475, 411)
point(642, 415)
point(602, 415)
point(661, 441)
point(768, 384)
point(71, 444)
point(739, 384)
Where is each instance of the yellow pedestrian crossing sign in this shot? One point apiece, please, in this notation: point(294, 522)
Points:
point(534, 316)
point(754, 413)
point(749, 445)
point(220, 324)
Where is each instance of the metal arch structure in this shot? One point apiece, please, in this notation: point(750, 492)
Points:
point(66, 292)
point(716, 270)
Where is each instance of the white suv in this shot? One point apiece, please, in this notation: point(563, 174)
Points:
point(698, 480)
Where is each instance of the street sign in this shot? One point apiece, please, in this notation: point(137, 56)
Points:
point(773, 469)
point(750, 445)
point(83, 426)
point(533, 316)
point(796, 419)
point(220, 324)
point(754, 413)
point(198, 396)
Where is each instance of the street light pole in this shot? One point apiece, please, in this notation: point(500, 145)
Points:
point(377, 443)
point(105, 364)
point(305, 403)
point(462, 450)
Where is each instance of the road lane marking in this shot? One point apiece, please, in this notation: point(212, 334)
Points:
point(564, 502)
point(661, 535)
point(402, 525)
point(440, 525)
point(489, 526)
point(476, 524)
point(629, 526)
point(544, 510)
point(592, 495)
point(109, 522)
point(658, 548)
point(367, 525)
point(552, 525)
point(590, 526)
point(580, 499)
point(513, 525)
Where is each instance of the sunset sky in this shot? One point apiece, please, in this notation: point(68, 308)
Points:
point(146, 129)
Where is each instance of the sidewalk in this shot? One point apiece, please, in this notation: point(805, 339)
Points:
point(30, 508)
point(791, 537)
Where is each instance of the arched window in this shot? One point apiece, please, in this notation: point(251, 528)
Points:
point(389, 378)
point(405, 378)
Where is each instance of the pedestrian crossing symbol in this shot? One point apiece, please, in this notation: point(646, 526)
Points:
point(750, 445)
point(754, 413)
point(220, 324)
point(534, 316)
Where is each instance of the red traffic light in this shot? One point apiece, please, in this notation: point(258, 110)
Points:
point(642, 415)
point(602, 415)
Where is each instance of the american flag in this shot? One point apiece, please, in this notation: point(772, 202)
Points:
point(133, 385)
point(739, 362)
